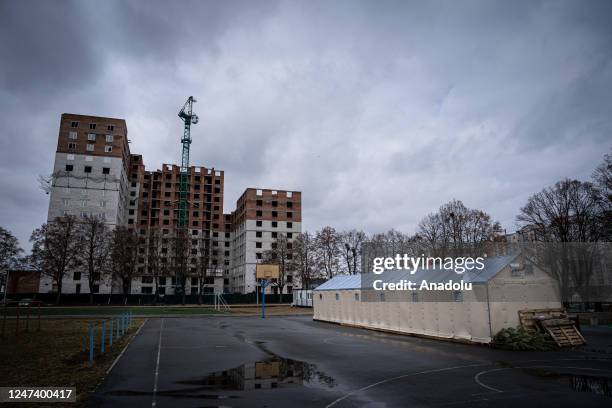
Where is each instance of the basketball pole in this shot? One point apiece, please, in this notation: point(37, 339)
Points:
point(264, 283)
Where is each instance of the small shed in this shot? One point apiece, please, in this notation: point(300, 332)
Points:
point(504, 286)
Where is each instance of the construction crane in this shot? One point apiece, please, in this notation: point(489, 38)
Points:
point(188, 117)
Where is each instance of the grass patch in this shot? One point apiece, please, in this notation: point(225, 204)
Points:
point(56, 356)
point(116, 310)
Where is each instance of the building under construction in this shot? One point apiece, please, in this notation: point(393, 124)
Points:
point(95, 174)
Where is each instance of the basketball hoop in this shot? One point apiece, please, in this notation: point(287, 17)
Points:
point(266, 275)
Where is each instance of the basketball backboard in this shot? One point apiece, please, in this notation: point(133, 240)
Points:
point(268, 272)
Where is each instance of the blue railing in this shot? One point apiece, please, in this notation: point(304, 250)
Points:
point(107, 331)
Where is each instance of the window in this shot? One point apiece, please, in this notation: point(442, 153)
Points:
point(274, 234)
point(74, 124)
point(92, 126)
point(415, 297)
point(274, 224)
point(259, 213)
point(90, 147)
point(72, 135)
point(289, 235)
point(108, 149)
point(382, 297)
point(258, 234)
point(109, 138)
point(458, 296)
point(95, 288)
point(289, 215)
point(357, 297)
point(69, 167)
point(78, 288)
point(274, 214)
point(91, 137)
point(258, 223)
point(87, 169)
point(105, 170)
point(289, 225)
point(72, 146)
point(258, 255)
point(274, 203)
point(337, 296)
point(259, 203)
point(110, 128)
point(289, 204)
point(76, 276)
point(258, 245)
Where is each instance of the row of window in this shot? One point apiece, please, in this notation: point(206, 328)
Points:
point(92, 126)
point(259, 213)
point(457, 296)
point(88, 169)
point(274, 224)
point(90, 147)
point(289, 204)
point(90, 137)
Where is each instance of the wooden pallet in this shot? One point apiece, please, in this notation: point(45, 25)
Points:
point(563, 332)
point(529, 318)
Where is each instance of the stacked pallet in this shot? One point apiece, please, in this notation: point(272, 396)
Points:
point(555, 323)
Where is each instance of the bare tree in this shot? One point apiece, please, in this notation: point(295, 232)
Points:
point(202, 267)
point(328, 251)
point(281, 254)
point(603, 181)
point(566, 217)
point(457, 230)
point(124, 255)
point(96, 250)
point(154, 242)
point(304, 258)
point(56, 249)
point(9, 254)
point(350, 245)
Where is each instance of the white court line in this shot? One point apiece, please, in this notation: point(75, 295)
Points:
point(398, 378)
point(161, 330)
point(477, 376)
point(125, 348)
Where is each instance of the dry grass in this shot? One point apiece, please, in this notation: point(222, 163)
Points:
point(56, 356)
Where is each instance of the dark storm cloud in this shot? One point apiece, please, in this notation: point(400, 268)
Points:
point(378, 111)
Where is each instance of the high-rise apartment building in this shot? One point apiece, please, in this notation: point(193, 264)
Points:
point(95, 174)
point(260, 216)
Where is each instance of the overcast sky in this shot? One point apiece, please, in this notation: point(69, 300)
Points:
point(379, 112)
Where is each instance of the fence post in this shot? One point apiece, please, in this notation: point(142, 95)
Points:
point(17, 323)
point(28, 318)
point(4, 320)
point(103, 335)
point(91, 343)
point(110, 333)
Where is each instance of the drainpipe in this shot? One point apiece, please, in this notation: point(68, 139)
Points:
point(489, 313)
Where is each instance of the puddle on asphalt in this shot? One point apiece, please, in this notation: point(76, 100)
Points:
point(270, 373)
point(595, 385)
point(577, 382)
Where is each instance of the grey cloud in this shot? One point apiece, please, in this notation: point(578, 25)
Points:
point(378, 111)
